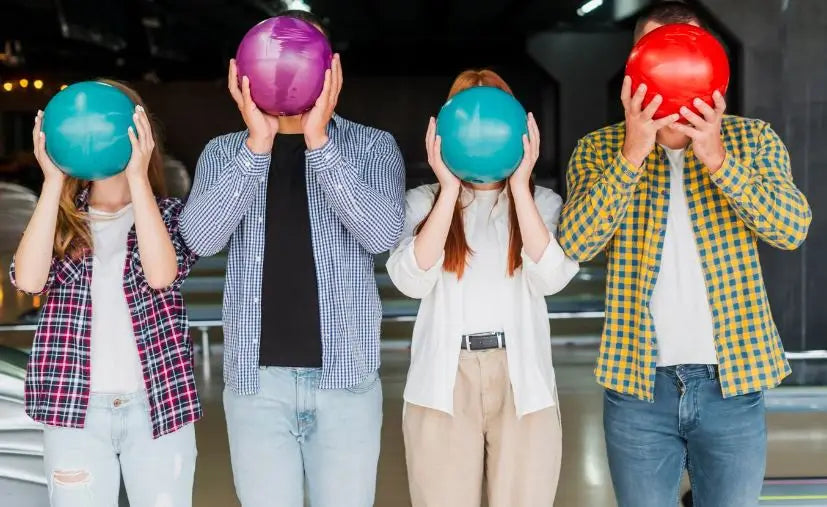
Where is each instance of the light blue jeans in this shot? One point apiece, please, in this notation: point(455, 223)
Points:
point(84, 465)
point(721, 441)
point(291, 433)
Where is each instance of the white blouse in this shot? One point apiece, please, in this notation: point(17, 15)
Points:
point(441, 321)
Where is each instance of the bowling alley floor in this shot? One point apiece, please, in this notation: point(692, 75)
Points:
point(797, 441)
point(797, 438)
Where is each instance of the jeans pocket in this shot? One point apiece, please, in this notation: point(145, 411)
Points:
point(751, 399)
point(368, 384)
point(617, 398)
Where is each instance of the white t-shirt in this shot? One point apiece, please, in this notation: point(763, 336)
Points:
point(521, 310)
point(679, 305)
point(485, 274)
point(116, 366)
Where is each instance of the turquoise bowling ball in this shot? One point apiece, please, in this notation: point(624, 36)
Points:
point(482, 130)
point(86, 130)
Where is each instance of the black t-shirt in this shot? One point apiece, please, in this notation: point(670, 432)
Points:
point(290, 329)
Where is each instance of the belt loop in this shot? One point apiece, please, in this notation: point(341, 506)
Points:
point(712, 373)
point(499, 340)
point(467, 340)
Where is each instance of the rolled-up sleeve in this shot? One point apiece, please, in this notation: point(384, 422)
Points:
point(402, 267)
point(554, 270)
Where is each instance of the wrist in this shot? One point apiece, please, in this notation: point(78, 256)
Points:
point(134, 179)
point(52, 185)
point(315, 140)
point(635, 159)
point(260, 145)
point(715, 163)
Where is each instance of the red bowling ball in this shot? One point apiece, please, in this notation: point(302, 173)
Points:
point(680, 62)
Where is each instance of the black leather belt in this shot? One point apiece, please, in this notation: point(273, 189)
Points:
point(483, 341)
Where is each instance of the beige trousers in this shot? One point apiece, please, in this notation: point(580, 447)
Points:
point(449, 456)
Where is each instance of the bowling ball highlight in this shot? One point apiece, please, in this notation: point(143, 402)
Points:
point(481, 130)
point(285, 60)
point(680, 62)
point(86, 127)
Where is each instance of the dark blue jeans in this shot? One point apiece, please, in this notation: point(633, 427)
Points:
point(721, 442)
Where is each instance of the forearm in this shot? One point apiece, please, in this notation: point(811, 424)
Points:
point(33, 258)
point(596, 207)
point(429, 244)
point(771, 207)
point(533, 230)
point(154, 244)
point(368, 202)
point(217, 205)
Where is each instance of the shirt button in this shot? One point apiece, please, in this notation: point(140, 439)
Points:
point(652, 267)
point(255, 300)
point(116, 403)
point(664, 192)
point(261, 179)
point(248, 164)
point(258, 258)
point(611, 218)
point(260, 219)
point(236, 195)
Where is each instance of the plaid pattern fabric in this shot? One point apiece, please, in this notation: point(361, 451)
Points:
point(615, 207)
point(58, 374)
point(356, 197)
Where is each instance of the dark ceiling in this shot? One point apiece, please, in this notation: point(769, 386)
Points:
point(193, 39)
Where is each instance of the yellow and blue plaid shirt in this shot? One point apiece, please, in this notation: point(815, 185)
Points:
point(622, 209)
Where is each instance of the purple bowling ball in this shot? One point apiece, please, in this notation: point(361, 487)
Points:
point(285, 59)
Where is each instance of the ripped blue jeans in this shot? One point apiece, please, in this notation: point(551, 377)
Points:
point(84, 465)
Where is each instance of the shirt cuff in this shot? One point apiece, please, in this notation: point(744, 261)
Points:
point(624, 174)
point(251, 164)
point(550, 260)
point(412, 267)
point(732, 177)
point(325, 157)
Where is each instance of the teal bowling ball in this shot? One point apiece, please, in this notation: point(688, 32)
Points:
point(481, 130)
point(86, 130)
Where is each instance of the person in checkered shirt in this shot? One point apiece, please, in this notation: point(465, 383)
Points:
point(110, 374)
point(689, 343)
point(301, 203)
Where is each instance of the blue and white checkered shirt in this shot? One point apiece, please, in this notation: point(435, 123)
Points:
point(355, 191)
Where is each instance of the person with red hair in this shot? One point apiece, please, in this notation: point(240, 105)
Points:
point(482, 258)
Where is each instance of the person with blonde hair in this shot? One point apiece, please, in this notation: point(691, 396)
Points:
point(110, 374)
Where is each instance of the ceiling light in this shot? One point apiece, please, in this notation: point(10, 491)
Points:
point(588, 7)
point(8, 86)
point(301, 5)
point(38, 84)
point(24, 83)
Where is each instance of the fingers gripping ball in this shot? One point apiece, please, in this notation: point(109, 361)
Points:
point(680, 62)
point(285, 60)
point(86, 127)
point(481, 130)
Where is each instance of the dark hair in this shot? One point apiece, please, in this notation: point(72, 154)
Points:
point(668, 12)
point(307, 16)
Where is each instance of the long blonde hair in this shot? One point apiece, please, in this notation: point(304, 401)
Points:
point(73, 237)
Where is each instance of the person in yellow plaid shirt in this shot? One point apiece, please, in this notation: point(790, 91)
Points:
point(678, 205)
